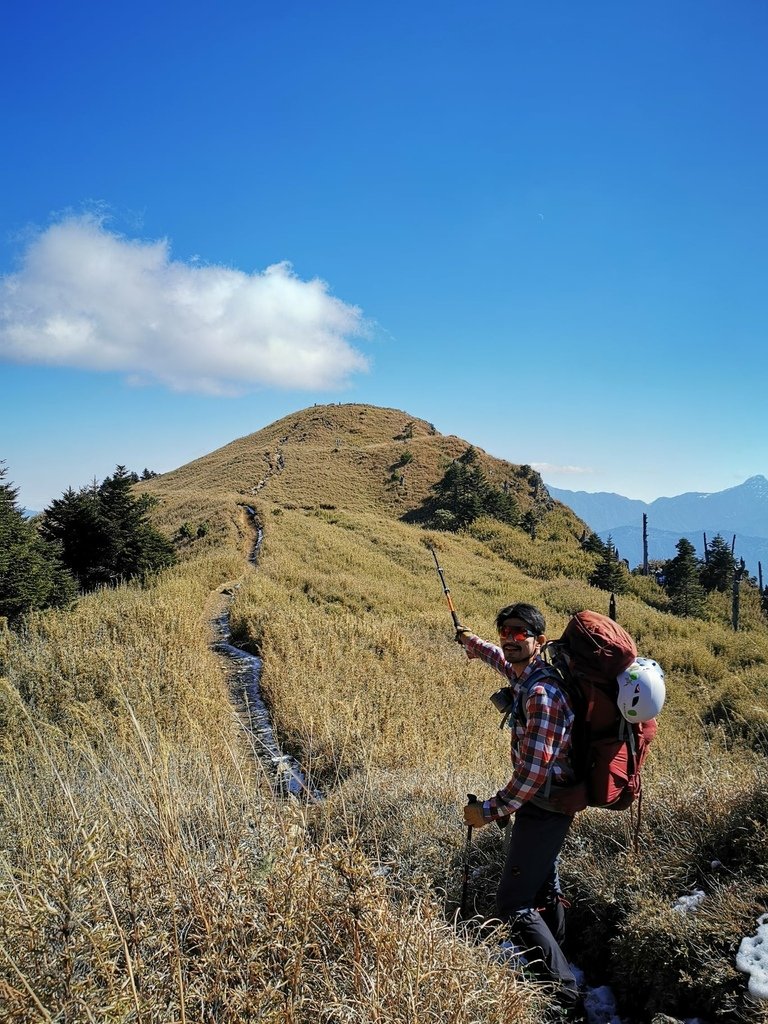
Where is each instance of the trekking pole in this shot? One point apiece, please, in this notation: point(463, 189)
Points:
point(471, 799)
point(446, 589)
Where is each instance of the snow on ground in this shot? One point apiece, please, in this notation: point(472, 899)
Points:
point(686, 904)
point(752, 958)
point(599, 1002)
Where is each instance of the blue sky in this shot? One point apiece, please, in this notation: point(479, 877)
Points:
point(541, 227)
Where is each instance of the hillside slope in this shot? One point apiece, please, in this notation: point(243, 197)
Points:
point(350, 456)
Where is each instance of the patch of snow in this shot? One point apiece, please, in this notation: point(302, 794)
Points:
point(752, 958)
point(599, 1002)
point(601, 1006)
point(687, 904)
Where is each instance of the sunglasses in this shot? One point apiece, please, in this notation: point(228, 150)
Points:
point(516, 633)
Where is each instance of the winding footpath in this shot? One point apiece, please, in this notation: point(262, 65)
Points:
point(244, 679)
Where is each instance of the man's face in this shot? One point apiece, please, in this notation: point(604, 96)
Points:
point(519, 642)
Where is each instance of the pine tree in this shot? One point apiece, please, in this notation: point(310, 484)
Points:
point(610, 573)
point(76, 523)
point(31, 572)
point(530, 522)
point(123, 518)
point(464, 493)
point(463, 489)
point(105, 534)
point(595, 544)
point(682, 580)
point(456, 493)
point(501, 505)
point(718, 571)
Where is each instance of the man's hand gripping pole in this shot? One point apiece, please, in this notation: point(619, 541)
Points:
point(472, 799)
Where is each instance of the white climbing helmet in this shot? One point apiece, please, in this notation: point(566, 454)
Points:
point(641, 690)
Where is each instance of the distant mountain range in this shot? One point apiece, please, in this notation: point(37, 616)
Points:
point(741, 510)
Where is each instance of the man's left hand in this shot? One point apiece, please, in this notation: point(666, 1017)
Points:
point(473, 815)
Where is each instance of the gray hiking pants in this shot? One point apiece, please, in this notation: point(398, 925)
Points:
point(528, 897)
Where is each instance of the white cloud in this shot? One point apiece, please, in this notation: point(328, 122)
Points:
point(546, 468)
point(87, 298)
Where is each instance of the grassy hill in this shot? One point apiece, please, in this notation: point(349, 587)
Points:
point(356, 457)
point(149, 874)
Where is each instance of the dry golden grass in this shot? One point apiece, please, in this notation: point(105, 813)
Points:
point(146, 872)
point(348, 456)
point(160, 883)
point(79, 670)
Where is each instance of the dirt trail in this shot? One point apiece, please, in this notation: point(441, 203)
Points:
point(242, 672)
point(217, 601)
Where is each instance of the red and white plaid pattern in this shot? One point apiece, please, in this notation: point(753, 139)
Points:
point(541, 733)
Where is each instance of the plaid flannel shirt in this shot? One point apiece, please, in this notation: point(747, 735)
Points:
point(541, 733)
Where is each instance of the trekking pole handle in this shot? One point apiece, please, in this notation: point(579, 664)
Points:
point(446, 591)
point(471, 799)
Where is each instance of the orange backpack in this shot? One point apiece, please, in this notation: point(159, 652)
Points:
point(607, 752)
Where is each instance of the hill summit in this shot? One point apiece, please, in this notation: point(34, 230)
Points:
point(350, 456)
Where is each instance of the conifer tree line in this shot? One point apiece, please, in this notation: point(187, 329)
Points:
point(96, 536)
point(464, 493)
point(32, 573)
point(685, 578)
point(100, 535)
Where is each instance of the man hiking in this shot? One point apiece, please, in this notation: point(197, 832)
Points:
point(540, 717)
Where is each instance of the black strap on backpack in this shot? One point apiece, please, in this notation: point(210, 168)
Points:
point(581, 699)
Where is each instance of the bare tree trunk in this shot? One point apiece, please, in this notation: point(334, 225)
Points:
point(737, 575)
point(733, 544)
point(760, 575)
point(706, 550)
point(735, 605)
point(645, 544)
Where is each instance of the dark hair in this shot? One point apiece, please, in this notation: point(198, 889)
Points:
point(527, 613)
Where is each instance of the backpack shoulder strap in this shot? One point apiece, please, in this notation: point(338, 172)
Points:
point(550, 671)
point(555, 654)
